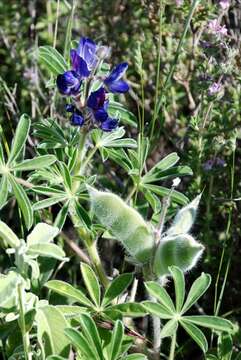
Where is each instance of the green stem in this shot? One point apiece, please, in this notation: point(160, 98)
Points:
point(25, 334)
point(173, 346)
point(162, 7)
point(88, 158)
point(178, 51)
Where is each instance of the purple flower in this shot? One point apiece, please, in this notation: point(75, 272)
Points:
point(109, 124)
point(87, 51)
point(68, 83)
point(216, 29)
point(224, 4)
point(96, 99)
point(214, 89)
point(114, 82)
point(208, 165)
point(76, 118)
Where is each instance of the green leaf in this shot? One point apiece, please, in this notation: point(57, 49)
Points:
point(55, 357)
point(169, 328)
point(162, 191)
point(46, 250)
point(42, 233)
point(68, 291)
point(179, 283)
point(61, 217)
point(129, 309)
point(8, 235)
point(20, 137)
point(135, 357)
point(116, 287)
point(199, 287)
point(23, 202)
point(8, 289)
point(90, 332)
point(81, 343)
point(3, 191)
point(38, 162)
point(161, 295)
point(116, 340)
point(71, 311)
point(211, 322)
point(52, 59)
point(196, 334)
point(157, 309)
point(42, 204)
point(50, 331)
point(225, 346)
point(91, 283)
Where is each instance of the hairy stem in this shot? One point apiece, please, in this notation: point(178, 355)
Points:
point(25, 334)
point(173, 346)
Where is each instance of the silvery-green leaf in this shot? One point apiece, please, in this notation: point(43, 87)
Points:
point(196, 334)
point(179, 283)
point(46, 250)
point(19, 137)
point(8, 235)
point(91, 283)
point(199, 287)
point(211, 322)
point(185, 218)
point(160, 293)
point(182, 251)
point(42, 233)
point(116, 287)
point(3, 191)
point(157, 309)
point(116, 340)
point(123, 222)
point(52, 60)
point(169, 328)
point(8, 289)
point(38, 162)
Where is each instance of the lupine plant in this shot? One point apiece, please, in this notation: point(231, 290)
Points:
point(50, 182)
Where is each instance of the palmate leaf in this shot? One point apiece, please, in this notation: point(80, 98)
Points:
point(69, 291)
point(61, 217)
point(112, 139)
point(42, 233)
point(196, 334)
point(179, 283)
point(211, 322)
point(38, 162)
point(3, 191)
point(42, 204)
point(169, 328)
point(20, 137)
point(116, 340)
point(81, 344)
point(23, 201)
point(8, 235)
point(163, 191)
point(50, 331)
point(52, 59)
point(46, 250)
point(135, 357)
point(116, 287)
point(129, 309)
point(91, 283)
point(160, 294)
point(157, 309)
point(8, 289)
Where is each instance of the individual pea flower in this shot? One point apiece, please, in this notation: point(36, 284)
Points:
point(83, 60)
point(214, 89)
point(216, 29)
point(113, 81)
point(76, 118)
point(224, 4)
point(98, 104)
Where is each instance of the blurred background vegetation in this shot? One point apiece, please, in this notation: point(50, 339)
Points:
point(132, 29)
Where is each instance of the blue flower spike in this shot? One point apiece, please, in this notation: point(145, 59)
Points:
point(114, 82)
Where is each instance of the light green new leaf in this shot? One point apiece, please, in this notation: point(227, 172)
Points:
point(116, 340)
point(69, 291)
point(169, 328)
point(199, 287)
point(157, 309)
point(196, 334)
point(23, 202)
point(91, 334)
point(8, 235)
point(42, 233)
point(46, 250)
point(20, 137)
point(36, 163)
point(50, 331)
point(160, 294)
point(211, 322)
point(91, 283)
point(81, 344)
point(116, 287)
point(8, 289)
point(3, 191)
point(52, 59)
point(179, 283)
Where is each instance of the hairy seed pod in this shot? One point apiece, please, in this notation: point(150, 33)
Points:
point(124, 223)
point(181, 250)
point(185, 218)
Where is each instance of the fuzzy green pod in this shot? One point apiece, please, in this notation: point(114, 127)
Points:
point(182, 251)
point(185, 218)
point(124, 223)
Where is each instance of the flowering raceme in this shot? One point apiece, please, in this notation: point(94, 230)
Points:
point(87, 89)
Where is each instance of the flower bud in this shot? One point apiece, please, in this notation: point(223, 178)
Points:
point(124, 223)
point(181, 250)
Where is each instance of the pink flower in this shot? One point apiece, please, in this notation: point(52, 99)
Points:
point(224, 4)
point(216, 28)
